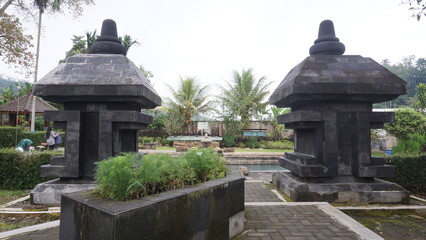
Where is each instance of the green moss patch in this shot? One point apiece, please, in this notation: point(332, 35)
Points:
point(392, 224)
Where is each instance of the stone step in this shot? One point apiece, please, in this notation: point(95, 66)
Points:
point(303, 159)
point(53, 170)
point(302, 170)
point(376, 171)
point(377, 161)
point(58, 160)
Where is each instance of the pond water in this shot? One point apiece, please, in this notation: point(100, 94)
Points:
point(259, 167)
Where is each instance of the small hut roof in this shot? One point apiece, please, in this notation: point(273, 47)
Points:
point(25, 103)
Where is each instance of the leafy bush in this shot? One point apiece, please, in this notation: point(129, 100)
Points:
point(228, 140)
point(284, 144)
point(165, 142)
point(132, 176)
point(22, 170)
point(407, 121)
point(143, 140)
point(251, 143)
point(8, 136)
point(413, 145)
point(410, 172)
point(207, 164)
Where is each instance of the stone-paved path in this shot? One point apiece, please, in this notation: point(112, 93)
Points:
point(267, 220)
point(46, 234)
point(258, 192)
point(293, 223)
point(270, 218)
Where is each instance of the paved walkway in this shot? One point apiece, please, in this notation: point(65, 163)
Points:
point(269, 217)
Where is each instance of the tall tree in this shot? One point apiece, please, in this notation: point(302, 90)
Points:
point(413, 71)
point(417, 6)
point(14, 44)
point(189, 98)
point(82, 44)
point(148, 74)
point(128, 41)
point(245, 95)
point(420, 98)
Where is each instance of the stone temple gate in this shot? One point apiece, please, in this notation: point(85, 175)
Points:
point(331, 97)
point(102, 94)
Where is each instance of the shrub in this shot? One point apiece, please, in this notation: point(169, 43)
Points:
point(228, 140)
point(22, 170)
point(284, 144)
point(158, 140)
point(165, 142)
point(206, 164)
point(251, 143)
point(410, 172)
point(143, 140)
point(8, 136)
point(413, 145)
point(241, 145)
point(132, 176)
point(406, 122)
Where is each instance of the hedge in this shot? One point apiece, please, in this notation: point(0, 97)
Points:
point(22, 170)
point(8, 136)
point(410, 172)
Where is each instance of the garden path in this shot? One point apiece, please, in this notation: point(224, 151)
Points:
point(269, 217)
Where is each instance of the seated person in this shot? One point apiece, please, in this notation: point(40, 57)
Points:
point(24, 145)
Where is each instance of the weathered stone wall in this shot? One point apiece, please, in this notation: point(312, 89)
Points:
point(212, 210)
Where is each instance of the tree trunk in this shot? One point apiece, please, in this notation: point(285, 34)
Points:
point(36, 70)
point(3, 9)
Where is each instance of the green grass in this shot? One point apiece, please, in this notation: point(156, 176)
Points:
point(378, 154)
point(166, 148)
point(392, 224)
point(10, 195)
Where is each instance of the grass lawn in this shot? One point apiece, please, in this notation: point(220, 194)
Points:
point(166, 148)
point(10, 195)
point(378, 154)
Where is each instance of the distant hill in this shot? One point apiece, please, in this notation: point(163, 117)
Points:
point(6, 82)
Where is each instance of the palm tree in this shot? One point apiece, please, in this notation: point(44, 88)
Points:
point(128, 41)
point(190, 98)
point(245, 95)
point(42, 6)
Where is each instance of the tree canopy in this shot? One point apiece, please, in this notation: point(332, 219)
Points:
point(189, 98)
point(15, 45)
point(413, 71)
point(244, 95)
point(417, 6)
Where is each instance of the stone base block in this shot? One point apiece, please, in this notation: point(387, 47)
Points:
point(50, 192)
point(377, 191)
point(211, 210)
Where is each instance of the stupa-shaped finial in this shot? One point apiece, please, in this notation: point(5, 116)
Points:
point(327, 42)
point(108, 42)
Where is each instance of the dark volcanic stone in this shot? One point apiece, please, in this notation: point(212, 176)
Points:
point(102, 96)
point(196, 212)
point(108, 42)
point(327, 42)
point(331, 98)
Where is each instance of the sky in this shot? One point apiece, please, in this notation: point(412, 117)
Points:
point(209, 40)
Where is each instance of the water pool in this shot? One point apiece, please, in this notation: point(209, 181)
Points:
point(258, 167)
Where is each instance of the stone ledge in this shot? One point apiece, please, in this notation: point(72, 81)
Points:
point(378, 191)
